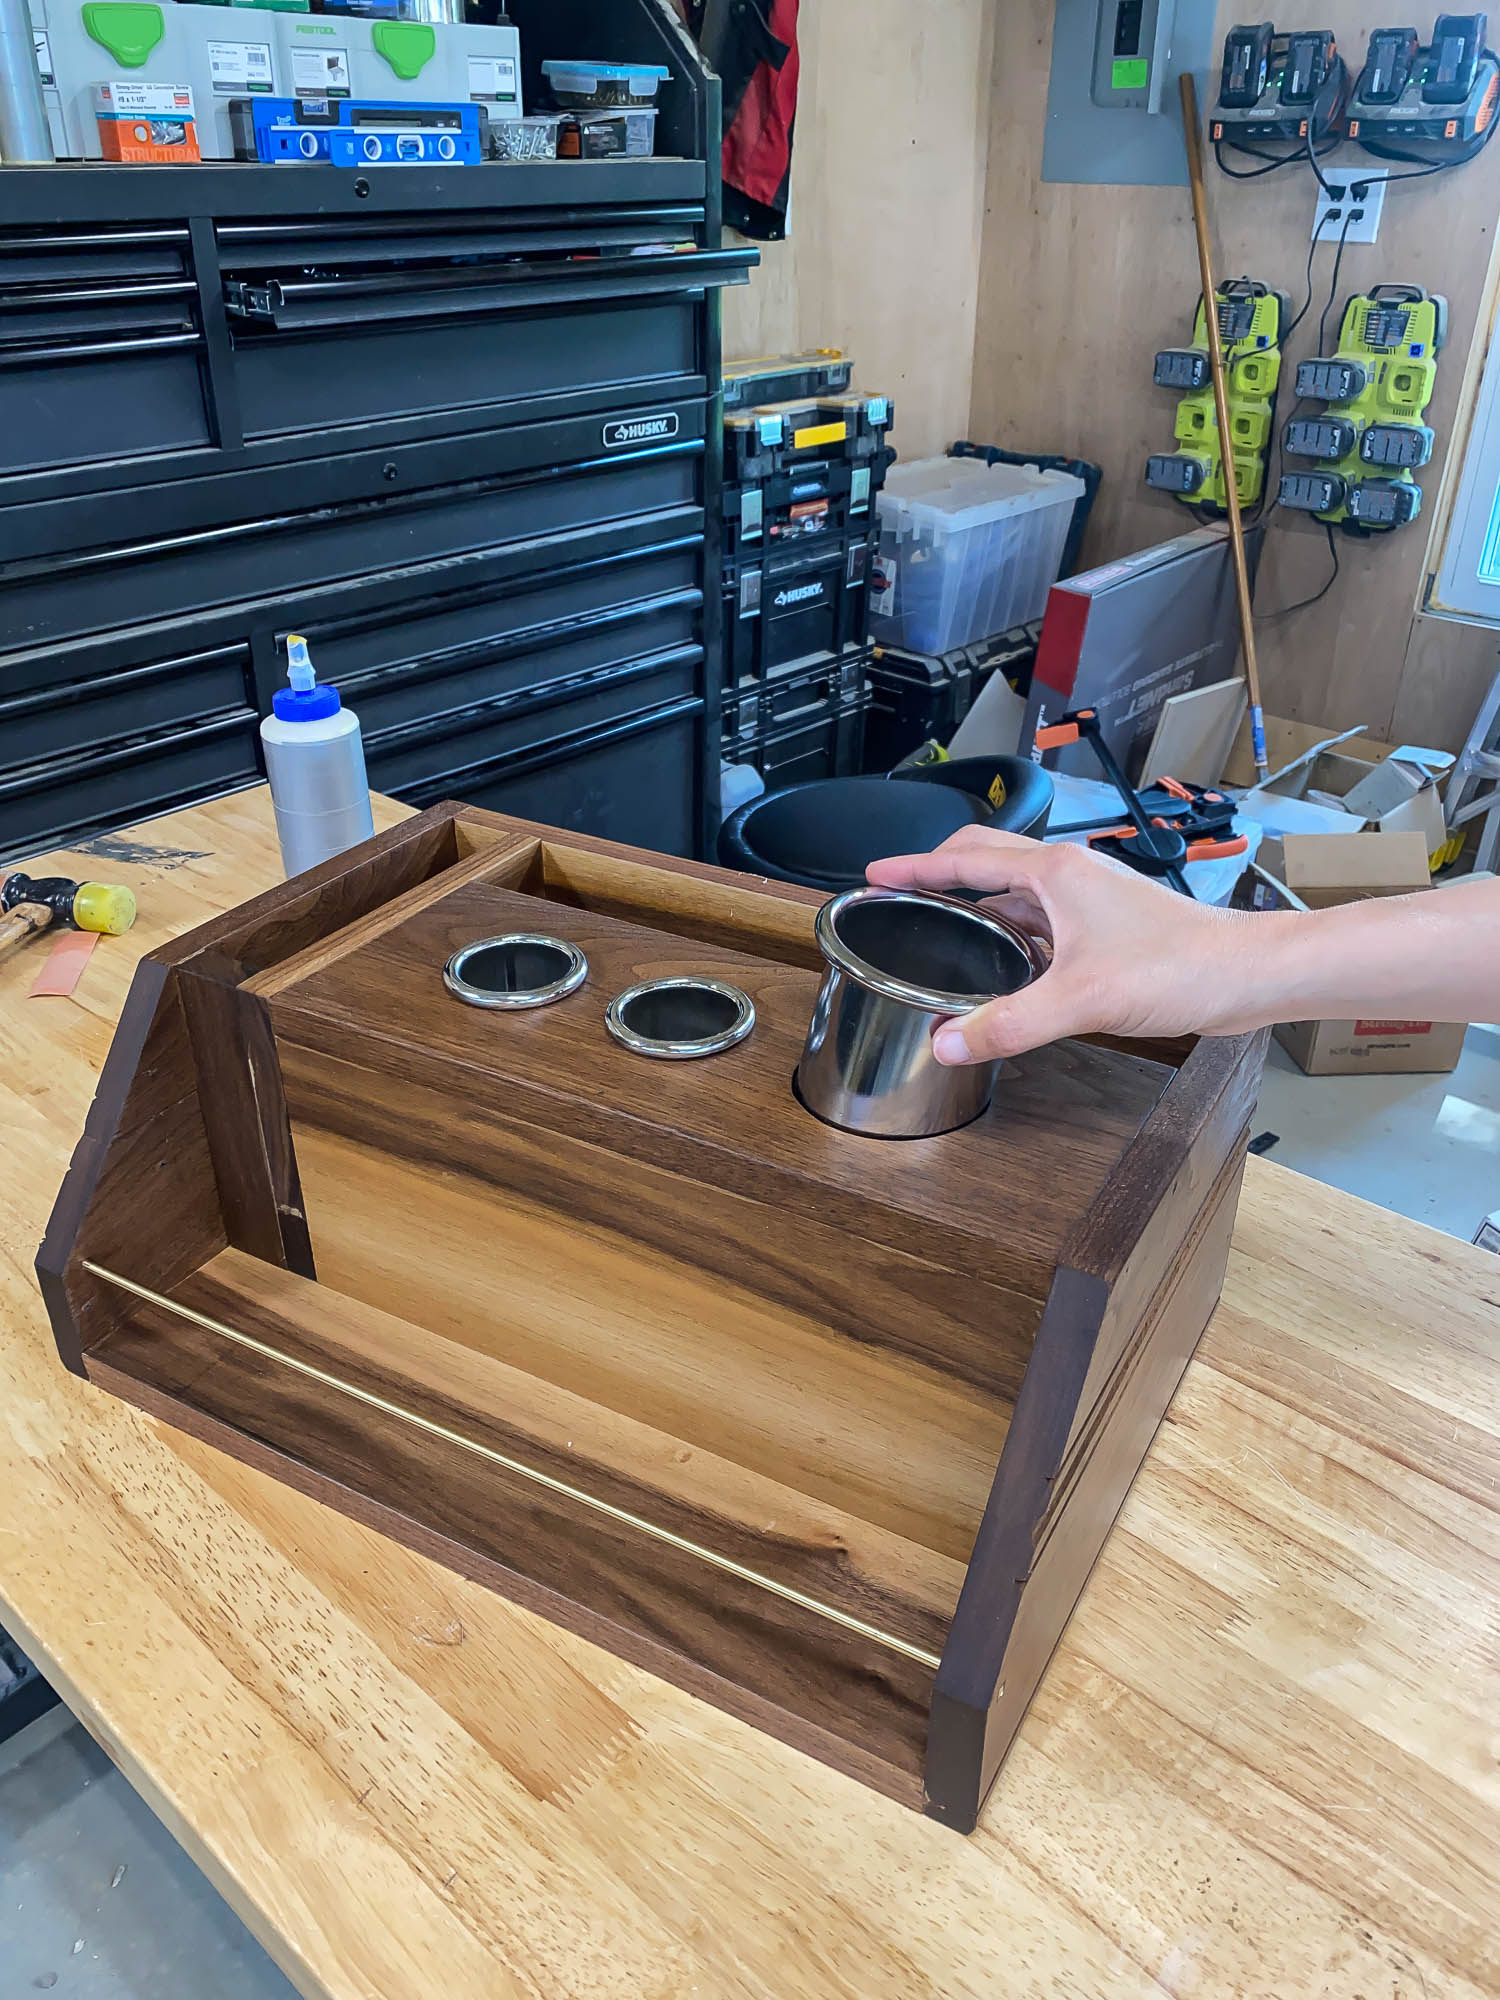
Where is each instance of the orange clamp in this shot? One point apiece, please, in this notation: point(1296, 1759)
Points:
point(1058, 734)
point(1217, 850)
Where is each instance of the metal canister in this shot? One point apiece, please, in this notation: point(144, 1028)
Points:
point(24, 132)
point(899, 964)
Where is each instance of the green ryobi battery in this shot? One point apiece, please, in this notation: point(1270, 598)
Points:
point(1251, 319)
point(1377, 385)
point(1401, 445)
point(1177, 472)
point(1311, 492)
point(1384, 503)
point(1325, 437)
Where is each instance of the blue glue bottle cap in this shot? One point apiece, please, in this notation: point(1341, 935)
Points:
point(303, 700)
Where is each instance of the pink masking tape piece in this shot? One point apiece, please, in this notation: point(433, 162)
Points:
point(70, 953)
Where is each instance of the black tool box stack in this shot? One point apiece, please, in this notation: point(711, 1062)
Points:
point(918, 698)
point(804, 456)
point(450, 423)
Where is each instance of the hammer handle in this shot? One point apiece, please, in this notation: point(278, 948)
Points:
point(21, 923)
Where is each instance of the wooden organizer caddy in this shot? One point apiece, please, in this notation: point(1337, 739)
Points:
point(828, 1430)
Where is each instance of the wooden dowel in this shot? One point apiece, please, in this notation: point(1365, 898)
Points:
point(1221, 411)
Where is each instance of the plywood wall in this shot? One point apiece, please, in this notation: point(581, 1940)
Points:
point(887, 207)
point(1081, 285)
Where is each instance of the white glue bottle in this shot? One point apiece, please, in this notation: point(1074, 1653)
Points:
point(315, 760)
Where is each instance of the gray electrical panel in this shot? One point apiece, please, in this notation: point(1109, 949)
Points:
point(1113, 113)
point(1132, 45)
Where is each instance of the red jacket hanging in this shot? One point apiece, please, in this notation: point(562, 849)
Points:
point(753, 46)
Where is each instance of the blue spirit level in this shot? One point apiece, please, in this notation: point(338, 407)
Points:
point(354, 132)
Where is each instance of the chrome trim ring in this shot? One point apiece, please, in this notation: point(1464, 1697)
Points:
point(572, 969)
point(930, 999)
point(724, 1003)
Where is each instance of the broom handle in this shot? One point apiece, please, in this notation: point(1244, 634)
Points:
point(1221, 411)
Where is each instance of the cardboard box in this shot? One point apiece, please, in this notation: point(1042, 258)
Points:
point(1343, 783)
point(1326, 869)
point(1286, 741)
point(146, 124)
point(1373, 1048)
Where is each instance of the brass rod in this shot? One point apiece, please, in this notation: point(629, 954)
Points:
point(1221, 412)
point(500, 1458)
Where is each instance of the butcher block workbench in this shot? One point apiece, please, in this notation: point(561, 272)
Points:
point(1265, 1759)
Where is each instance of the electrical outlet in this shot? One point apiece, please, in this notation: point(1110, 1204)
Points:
point(1358, 196)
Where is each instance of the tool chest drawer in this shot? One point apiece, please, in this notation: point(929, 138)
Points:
point(94, 786)
point(90, 740)
point(391, 327)
point(210, 512)
point(550, 627)
point(635, 781)
point(531, 515)
point(50, 705)
point(256, 317)
point(106, 729)
point(101, 347)
point(298, 384)
point(511, 721)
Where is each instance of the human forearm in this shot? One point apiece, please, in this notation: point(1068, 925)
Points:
point(1431, 957)
point(1131, 958)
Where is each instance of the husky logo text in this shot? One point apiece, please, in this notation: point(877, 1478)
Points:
point(640, 430)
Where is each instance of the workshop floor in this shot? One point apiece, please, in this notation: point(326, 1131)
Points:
point(98, 1902)
point(1424, 1146)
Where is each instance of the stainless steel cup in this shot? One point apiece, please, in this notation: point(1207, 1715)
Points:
point(900, 963)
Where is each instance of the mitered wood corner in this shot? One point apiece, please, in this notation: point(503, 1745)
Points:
point(827, 1430)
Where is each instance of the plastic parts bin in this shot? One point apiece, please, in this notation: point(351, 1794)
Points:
point(598, 86)
point(621, 134)
point(1081, 468)
point(966, 549)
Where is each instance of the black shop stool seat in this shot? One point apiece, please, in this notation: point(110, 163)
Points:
point(825, 834)
point(1018, 791)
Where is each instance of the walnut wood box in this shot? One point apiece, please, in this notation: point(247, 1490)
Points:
point(828, 1430)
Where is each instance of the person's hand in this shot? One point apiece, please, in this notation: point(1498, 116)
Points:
point(1129, 956)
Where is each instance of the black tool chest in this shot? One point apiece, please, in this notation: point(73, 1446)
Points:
point(452, 424)
point(804, 457)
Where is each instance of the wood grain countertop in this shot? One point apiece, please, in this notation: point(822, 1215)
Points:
point(1265, 1760)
